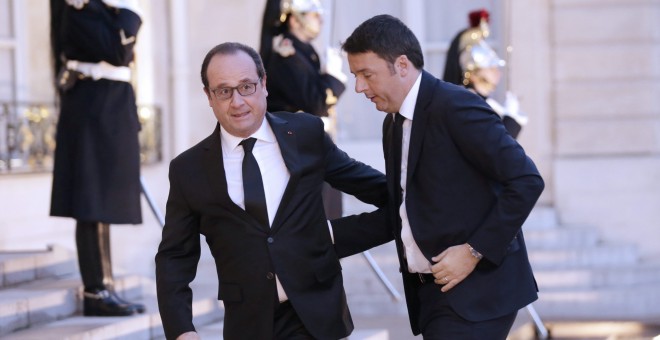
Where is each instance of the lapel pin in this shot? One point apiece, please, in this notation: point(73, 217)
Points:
point(289, 132)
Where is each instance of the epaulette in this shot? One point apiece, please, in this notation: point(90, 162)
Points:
point(283, 46)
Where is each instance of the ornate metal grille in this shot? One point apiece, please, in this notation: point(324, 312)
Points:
point(27, 136)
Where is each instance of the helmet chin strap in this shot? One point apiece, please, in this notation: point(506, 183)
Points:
point(481, 85)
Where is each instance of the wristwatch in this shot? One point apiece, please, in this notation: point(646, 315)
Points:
point(475, 253)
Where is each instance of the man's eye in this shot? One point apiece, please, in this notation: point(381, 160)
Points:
point(224, 91)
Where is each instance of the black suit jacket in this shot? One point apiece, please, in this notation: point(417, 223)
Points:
point(468, 181)
point(297, 247)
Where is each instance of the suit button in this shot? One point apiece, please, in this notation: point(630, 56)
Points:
point(270, 276)
point(270, 240)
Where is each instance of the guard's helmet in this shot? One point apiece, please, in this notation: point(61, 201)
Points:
point(298, 7)
point(479, 55)
point(475, 53)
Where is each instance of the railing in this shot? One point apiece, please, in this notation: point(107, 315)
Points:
point(27, 136)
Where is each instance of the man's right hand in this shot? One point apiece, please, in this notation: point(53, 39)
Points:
point(189, 336)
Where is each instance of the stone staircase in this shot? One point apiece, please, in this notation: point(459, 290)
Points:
point(581, 277)
point(40, 298)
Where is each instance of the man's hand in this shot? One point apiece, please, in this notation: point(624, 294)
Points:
point(131, 5)
point(453, 265)
point(189, 336)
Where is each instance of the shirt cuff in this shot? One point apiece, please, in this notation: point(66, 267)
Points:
point(332, 235)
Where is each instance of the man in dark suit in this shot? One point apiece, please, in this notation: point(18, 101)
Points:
point(279, 275)
point(460, 189)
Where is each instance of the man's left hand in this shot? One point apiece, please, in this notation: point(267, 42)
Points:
point(453, 265)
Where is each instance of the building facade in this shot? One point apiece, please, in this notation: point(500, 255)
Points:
point(587, 72)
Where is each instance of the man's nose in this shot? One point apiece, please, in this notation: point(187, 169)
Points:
point(236, 98)
point(360, 86)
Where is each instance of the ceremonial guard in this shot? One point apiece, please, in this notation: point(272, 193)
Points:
point(297, 80)
point(471, 62)
point(96, 177)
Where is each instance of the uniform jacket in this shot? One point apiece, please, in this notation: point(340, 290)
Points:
point(295, 82)
point(468, 181)
point(96, 175)
point(297, 247)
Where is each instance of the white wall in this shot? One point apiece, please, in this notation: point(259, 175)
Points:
point(606, 75)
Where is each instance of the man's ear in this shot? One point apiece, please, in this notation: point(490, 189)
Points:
point(208, 95)
point(263, 84)
point(402, 63)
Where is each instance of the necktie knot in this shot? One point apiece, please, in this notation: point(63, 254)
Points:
point(248, 144)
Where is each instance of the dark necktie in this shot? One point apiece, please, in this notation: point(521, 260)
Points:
point(397, 136)
point(253, 186)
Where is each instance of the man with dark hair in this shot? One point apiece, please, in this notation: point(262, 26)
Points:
point(253, 189)
point(460, 188)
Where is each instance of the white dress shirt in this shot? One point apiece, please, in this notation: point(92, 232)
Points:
point(268, 155)
point(417, 263)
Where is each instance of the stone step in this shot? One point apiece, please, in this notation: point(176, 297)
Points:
point(635, 302)
point(17, 267)
point(144, 326)
point(561, 237)
point(541, 217)
point(51, 299)
point(584, 278)
point(599, 256)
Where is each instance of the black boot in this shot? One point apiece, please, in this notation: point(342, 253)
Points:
point(92, 241)
point(138, 307)
point(106, 265)
point(104, 303)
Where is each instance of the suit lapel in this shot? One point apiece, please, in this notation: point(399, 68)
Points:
point(420, 119)
point(215, 174)
point(288, 143)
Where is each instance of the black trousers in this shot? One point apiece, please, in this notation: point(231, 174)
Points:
point(288, 325)
point(94, 260)
point(437, 319)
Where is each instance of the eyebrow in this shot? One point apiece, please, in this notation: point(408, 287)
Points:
point(362, 70)
point(242, 81)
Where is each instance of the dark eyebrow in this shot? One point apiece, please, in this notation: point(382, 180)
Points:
point(240, 82)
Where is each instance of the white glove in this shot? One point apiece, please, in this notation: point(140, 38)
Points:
point(77, 4)
point(131, 5)
point(512, 109)
point(333, 64)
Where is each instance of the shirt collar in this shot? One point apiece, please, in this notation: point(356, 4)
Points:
point(408, 106)
point(229, 142)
